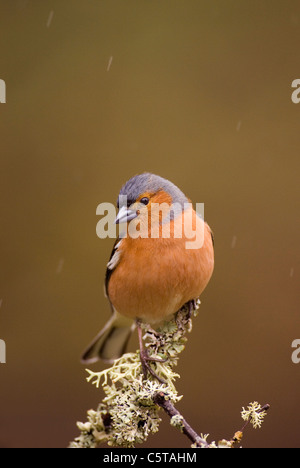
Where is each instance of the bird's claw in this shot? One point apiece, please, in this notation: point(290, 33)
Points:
point(145, 359)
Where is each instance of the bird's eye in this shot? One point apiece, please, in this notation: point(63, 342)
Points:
point(144, 200)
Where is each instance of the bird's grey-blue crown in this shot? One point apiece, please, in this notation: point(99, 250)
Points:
point(151, 183)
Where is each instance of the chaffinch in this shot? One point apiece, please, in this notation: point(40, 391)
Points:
point(154, 269)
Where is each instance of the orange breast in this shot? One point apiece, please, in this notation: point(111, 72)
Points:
point(156, 277)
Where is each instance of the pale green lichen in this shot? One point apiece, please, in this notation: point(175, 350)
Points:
point(127, 414)
point(177, 421)
point(93, 432)
point(224, 444)
point(254, 414)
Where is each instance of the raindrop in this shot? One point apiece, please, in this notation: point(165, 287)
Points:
point(60, 266)
point(109, 63)
point(50, 18)
point(233, 242)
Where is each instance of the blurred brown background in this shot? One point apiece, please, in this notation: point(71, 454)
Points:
point(200, 93)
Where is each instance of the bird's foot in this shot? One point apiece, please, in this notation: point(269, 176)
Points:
point(145, 359)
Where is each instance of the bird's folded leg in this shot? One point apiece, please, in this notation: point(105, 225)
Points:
point(145, 358)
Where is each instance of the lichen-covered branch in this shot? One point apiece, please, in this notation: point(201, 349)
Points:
point(130, 409)
point(177, 420)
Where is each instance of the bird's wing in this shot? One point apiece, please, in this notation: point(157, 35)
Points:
point(112, 263)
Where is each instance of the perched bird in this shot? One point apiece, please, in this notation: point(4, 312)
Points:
point(164, 260)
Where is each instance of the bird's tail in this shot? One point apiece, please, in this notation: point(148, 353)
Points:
point(111, 341)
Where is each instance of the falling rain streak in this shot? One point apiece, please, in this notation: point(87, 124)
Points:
point(2, 92)
point(109, 63)
point(233, 242)
point(50, 18)
point(2, 352)
point(60, 266)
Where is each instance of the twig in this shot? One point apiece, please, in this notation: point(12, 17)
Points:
point(171, 411)
point(236, 439)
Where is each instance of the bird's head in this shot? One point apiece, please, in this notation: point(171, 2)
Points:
point(140, 194)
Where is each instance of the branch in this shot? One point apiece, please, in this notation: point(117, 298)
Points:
point(255, 412)
point(178, 420)
point(253, 415)
point(130, 410)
